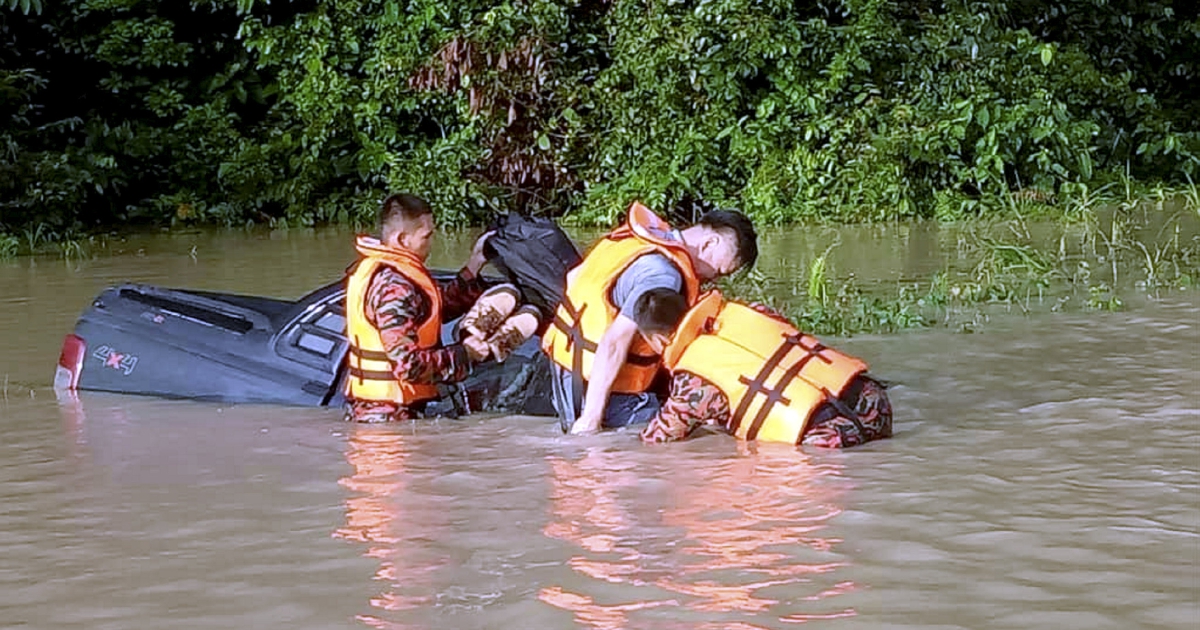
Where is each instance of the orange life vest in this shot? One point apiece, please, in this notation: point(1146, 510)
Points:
point(774, 375)
point(369, 374)
point(587, 309)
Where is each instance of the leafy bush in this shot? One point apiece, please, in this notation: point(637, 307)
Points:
point(228, 111)
point(8, 246)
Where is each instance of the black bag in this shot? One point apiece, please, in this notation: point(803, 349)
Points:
point(534, 254)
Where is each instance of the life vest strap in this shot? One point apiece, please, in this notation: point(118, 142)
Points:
point(784, 381)
point(574, 334)
point(577, 344)
point(370, 375)
point(368, 355)
point(774, 395)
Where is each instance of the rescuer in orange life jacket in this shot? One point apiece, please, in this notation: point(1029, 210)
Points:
point(749, 372)
point(394, 316)
point(592, 339)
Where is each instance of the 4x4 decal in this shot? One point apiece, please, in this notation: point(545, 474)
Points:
point(110, 358)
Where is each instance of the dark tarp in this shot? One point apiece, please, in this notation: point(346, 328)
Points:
point(535, 254)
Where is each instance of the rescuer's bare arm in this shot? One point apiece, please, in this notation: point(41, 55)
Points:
point(611, 352)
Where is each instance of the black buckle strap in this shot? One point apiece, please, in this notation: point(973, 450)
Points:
point(370, 375)
point(368, 355)
point(577, 344)
point(774, 395)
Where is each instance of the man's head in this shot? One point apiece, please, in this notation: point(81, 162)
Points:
point(657, 312)
point(722, 242)
point(407, 221)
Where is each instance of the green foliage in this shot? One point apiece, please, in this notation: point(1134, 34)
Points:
point(1101, 298)
point(1191, 197)
point(25, 6)
point(1094, 262)
point(8, 246)
point(308, 112)
point(111, 104)
point(831, 307)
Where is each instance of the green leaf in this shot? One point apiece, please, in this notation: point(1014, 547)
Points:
point(543, 142)
point(1047, 54)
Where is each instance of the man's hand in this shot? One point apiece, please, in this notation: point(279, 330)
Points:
point(585, 425)
point(477, 259)
point(477, 349)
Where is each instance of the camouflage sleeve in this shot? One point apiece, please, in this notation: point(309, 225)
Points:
point(872, 418)
point(460, 293)
point(396, 307)
point(693, 402)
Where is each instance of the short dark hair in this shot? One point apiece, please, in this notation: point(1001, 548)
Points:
point(742, 229)
point(659, 311)
point(401, 207)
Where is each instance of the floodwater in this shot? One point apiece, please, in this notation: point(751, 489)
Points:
point(1044, 473)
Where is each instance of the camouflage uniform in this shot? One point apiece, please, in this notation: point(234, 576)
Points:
point(694, 401)
point(396, 308)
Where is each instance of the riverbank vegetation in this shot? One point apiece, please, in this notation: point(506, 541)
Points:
point(228, 112)
point(1090, 260)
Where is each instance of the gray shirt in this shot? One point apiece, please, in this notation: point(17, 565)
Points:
point(652, 271)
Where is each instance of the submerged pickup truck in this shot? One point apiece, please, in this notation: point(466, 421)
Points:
point(141, 339)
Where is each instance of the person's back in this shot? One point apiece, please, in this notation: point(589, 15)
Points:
point(773, 382)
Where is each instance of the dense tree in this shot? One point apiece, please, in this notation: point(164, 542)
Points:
point(123, 111)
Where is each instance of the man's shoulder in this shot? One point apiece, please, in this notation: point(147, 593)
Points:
point(388, 283)
point(653, 263)
point(651, 270)
point(388, 275)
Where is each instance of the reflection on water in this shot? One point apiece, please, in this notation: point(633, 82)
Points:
point(1044, 474)
point(74, 422)
point(131, 512)
point(740, 537)
point(376, 516)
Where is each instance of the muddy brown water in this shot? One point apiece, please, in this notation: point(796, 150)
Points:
point(1045, 473)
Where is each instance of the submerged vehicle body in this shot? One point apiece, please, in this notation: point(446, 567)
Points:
point(149, 340)
point(174, 343)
